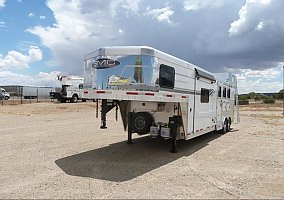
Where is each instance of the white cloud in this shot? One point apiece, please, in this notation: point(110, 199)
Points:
point(161, 14)
point(195, 5)
point(31, 14)
point(2, 24)
point(40, 79)
point(260, 26)
point(200, 37)
point(42, 17)
point(16, 59)
point(2, 3)
point(35, 54)
point(267, 74)
point(131, 6)
point(49, 79)
point(250, 15)
point(81, 27)
point(260, 81)
point(121, 31)
point(260, 86)
point(66, 31)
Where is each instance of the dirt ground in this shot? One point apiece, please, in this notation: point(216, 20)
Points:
point(52, 150)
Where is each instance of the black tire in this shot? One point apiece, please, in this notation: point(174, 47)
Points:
point(225, 127)
point(141, 122)
point(74, 98)
point(229, 125)
point(6, 98)
point(62, 100)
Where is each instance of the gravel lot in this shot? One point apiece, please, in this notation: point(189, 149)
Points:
point(52, 150)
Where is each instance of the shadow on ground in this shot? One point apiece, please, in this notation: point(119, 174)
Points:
point(120, 162)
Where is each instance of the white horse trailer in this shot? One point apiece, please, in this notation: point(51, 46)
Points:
point(159, 94)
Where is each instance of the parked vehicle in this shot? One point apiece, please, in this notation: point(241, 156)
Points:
point(1, 96)
point(71, 89)
point(33, 92)
point(159, 94)
point(5, 94)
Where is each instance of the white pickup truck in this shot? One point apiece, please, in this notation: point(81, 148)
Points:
point(71, 89)
point(5, 95)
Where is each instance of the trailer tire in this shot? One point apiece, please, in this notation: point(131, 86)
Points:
point(141, 122)
point(229, 125)
point(74, 98)
point(225, 127)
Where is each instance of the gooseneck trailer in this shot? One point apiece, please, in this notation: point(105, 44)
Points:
point(159, 94)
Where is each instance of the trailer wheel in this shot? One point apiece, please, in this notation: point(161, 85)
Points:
point(141, 122)
point(74, 98)
point(225, 127)
point(229, 125)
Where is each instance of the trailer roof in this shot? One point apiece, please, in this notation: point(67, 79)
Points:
point(143, 50)
point(121, 50)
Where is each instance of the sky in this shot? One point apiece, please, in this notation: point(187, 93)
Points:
point(40, 39)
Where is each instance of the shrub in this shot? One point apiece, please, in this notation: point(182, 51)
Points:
point(269, 101)
point(243, 97)
point(244, 102)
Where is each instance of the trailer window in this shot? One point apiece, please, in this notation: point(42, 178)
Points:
point(224, 92)
point(229, 93)
point(204, 95)
point(167, 77)
point(220, 92)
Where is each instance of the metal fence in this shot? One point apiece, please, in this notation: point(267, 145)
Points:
point(16, 98)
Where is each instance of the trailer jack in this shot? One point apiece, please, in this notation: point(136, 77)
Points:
point(174, 123)
point(106, 107)
point(129, 139)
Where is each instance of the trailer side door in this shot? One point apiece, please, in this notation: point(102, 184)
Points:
point(204, 105)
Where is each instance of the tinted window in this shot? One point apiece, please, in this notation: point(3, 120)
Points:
point(229, 93)
point(204, 95)
point(167, 77)
point(220, 92)
point(224, 92)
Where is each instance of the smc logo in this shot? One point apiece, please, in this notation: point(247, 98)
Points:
point(104, 63)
